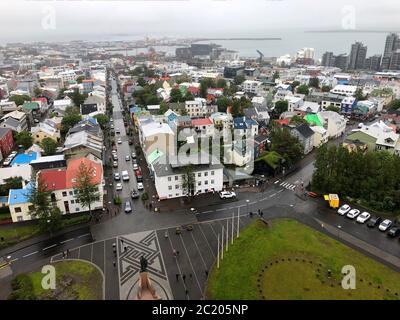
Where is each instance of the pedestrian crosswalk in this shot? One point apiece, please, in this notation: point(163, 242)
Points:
point(287, 185)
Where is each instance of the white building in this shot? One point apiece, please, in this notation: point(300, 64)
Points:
point(252, 86)
point(334, 123)
point(344, 90)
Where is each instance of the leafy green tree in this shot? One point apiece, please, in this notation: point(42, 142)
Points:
point(70, 119)
point(286, 145)
point(223, 103)
point(281, 106)
point(49, 146)
point(239, 79)
point(394, 105)
point(141, 82)
point(24, 139)
point(87, 192)
point(188, 96)
point(359, 95)
point(221, 83)
point(297, 120)
point(237, 109)
point(333, 108)
point(326, 88)
point(10, 183)
point(80, 79)
point(102, 120)
point(42, 208)
point(176, 95)
point(303, 89)
point(37, 92)
point(77, 97)
point(188, 181)
point(314, 83)
point(20, 99)
point(163, 107)
point(275, 76)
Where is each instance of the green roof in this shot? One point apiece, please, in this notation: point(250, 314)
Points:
point(272, 159)
point(154, 155)
point(31, 105)
point(313, 119)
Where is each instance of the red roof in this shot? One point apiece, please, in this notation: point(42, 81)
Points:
point(210, 97)
point(54, 179)
point(42, 99)
point(282, 122)
point(193, 90)
point(72, 170)
point(202, 122)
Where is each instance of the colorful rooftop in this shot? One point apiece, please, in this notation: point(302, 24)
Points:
point(24, 158)
point(17, 196)
point(313, 120)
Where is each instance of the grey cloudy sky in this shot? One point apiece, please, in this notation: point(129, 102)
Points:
point(23, 20)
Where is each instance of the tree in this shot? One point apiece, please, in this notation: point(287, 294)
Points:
point(141, 82)
point(275, 76)
point(237, 109)
point(37, 92)
point(102, 120)
point(297, 120)
point(239, 79)
point(20, 99)
point(61, 94)
point(281, 106)
point(303, 89)
point(80, 79)
point(359, 95)
point(163, 107)
point(176, 95)
point(314, 83)
point(43, 208)
point(49, 146)
point(87, 191)
point(286, 145)
point(188, 96)
point(77, 97)
point(223, 103)
point(333, 108)
point(10, 183)
point(24, 139)
point(394, 105)
point(326, 88)
point(70, 119)
point(188, 181)
point(221, 83)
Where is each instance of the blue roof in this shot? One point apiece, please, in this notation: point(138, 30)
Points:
point(4, 199)
point(135, 109)
point(24, 158)
point(17, 196)
point(172, 117)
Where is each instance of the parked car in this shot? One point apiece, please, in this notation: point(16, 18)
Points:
point(353, 213)
point(117, 177)
point(117, 131)
point(115, 164)
point(394, 232)
point(363, 217)
point(134, 194)
point(130, 142)
point(135, 166)
point(128, 207)
point(127, 158)
point(119, 141)
point(227, 195)
point(118, 187)
point(344, 209)
point(373, 222)
point(115, 157)
point(133, 155)
point(386, 224)
point(140, 186)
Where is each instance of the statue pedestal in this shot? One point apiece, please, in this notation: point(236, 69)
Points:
point(145, 290)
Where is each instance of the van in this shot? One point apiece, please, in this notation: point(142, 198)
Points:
point(125, 175)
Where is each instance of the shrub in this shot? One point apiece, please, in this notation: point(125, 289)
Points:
point(22, 288)
point(117, 200)
point(145, 196)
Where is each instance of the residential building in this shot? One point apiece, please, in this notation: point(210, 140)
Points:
point(344, 90)
point(320, 136)
point(252, 86)
point(7, 143)
point(357, 56)
point(373, 63)
point(16, 121)
point(45, 130)
point(305, 136)
point(61, 105)
point(328, 59)
point(245, 127)
point(203, 126)
point(348, 105)
point(334, 123)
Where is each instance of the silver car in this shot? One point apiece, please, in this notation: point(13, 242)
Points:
point(128, 207)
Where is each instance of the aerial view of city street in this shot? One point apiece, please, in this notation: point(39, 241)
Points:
point(200, 150)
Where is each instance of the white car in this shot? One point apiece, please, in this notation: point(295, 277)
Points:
point(118, 187)
point(363, 217)
point(135, 166)
point(133, 155)
point(127, 158)
point(114, 152)
point(119, 141)
point(140, 186)
point(386, 224)
point(115, 164)
point(353, 213)
point(117, 177)
point(344, 209)
point(227, 195)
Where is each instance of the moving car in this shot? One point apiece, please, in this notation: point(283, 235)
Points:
point(135, 166)
point(118, 187)
point(373, 222)
point(363, 217)
point(133, 155)
point(119, 141)
point(386, 224)
point(227, 195)
point(117, 131)
point(140, 186)
point(115, 157)
point(344, 209)
point(127, 158)
point(394, 232)
point(353, 213)
point(117, 177)
point(134, 194)
point(115, 164)
point(125, 175)
point(128, 207)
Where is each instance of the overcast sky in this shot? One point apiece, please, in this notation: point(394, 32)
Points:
point(23, 20)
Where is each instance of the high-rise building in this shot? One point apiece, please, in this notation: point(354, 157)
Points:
point(373, 63)
point(391, 46)
point(358, 55)
point(395, 60)
point(342, 61)
point(328, 59)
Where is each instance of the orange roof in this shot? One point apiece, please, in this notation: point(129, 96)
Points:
point(54, 179)
point(72, 170)
point(282, 122)
point(201, 122)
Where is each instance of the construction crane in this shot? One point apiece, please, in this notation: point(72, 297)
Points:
point(261, 56)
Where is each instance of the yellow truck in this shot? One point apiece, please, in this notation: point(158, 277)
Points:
point(333, 200)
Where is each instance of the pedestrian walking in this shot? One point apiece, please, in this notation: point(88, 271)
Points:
point(177, 253)
point(63, 254)
point(166, 235)
point(259, 212)
point(184, 277)
point(115, 264)
point(190, 275)
point(67, 252)
point(125, 249)
point(187, 292)
point(206, 273)
point(174, 252)
point(177, 277)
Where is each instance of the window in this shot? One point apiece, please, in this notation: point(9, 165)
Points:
point(170, 196)
point(205, 174)
point(212, 172)
point(64, 193)
point(177, 194)
point(75, 192)
point(206, 182)
point(212, 182)
point(18, 209)
point(176, 178)
point(76, 201)
point(30, 208)
point(177, 186)
point(169, 187)
point(199, 174)
point(77, 209)
point(20, 218)
point(72, 201)
point(169, 178)
point(199, 183)
point(71, 193)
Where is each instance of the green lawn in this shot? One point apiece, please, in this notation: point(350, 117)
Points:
point(260, 246)
point(86, 282)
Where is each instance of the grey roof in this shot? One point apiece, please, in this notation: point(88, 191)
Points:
point(88, 108)
point(305, 130)
point(11, 122)
point(177, 106)
point(3, 132)
point(165, 166)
